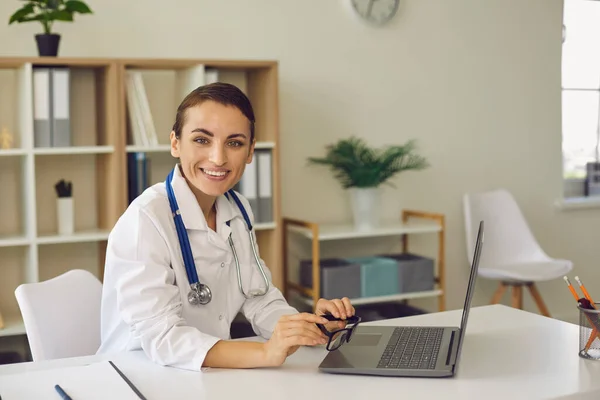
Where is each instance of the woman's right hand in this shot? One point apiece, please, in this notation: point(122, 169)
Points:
point(291, 332)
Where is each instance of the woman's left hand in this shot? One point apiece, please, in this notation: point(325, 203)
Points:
point(339, 308)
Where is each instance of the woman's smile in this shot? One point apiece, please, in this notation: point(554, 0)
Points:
point(215, 174)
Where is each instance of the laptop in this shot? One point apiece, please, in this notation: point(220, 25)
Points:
point(415, 351)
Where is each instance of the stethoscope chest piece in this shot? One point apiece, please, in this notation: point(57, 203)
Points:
point(200, 294)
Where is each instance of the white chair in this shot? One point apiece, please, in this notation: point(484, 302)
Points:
point(510, 253)
point(62, 315)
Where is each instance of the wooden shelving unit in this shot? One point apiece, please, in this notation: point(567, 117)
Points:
point(412, 223)
point(96, 163)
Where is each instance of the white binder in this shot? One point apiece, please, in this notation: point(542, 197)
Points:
point(248, 187)
point(42, 125)
point(265, 185)
point(61, 122)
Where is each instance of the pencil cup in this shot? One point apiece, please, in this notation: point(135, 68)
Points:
point(64, 215)
point(589, 333)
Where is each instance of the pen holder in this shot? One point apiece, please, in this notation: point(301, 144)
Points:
point(64, 215)
point(589, 333)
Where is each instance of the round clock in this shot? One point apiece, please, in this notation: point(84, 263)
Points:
point(376, 11)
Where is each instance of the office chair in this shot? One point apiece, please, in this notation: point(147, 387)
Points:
point(511, 253)
point(62, 315)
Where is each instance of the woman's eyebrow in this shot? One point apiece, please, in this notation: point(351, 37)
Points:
point(209, 133)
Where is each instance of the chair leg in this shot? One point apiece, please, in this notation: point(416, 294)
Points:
point(538, 299)
point(499, 293)
point(517, 297)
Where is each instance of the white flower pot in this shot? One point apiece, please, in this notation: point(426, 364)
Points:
point(365, 207)
point(65, 215)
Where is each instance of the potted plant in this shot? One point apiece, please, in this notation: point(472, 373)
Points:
point(47, 12)
point(362, 170)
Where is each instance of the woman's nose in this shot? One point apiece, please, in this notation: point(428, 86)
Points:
point(218, 156)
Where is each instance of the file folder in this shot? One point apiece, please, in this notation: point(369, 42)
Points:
point(265, 185)
point(61, 123)
point(42, 125)
point(248, 187)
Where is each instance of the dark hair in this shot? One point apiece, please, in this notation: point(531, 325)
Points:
point(223, 93)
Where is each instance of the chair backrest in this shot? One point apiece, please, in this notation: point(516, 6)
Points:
point(508, 239)
point(62, 315)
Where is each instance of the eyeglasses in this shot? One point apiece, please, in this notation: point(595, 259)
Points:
point(339, 336)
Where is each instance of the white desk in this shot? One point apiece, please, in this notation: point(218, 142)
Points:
point(507, 354)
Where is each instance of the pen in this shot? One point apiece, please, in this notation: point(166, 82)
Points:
point(131, 385)
point(585, 292)
point(571, 288)
point(62, 393)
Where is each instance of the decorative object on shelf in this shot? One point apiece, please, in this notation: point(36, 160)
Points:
point(361, 170)
point(64, 207)
point(377, 12)
point(6, 139)
point(592, 179)
point(46, 12)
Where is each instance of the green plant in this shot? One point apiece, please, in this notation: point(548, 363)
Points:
point(47, 12)
point(355, 164)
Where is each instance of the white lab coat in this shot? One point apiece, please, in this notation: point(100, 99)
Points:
point(144, 297)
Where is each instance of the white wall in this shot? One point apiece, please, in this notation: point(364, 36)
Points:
point(476, 82)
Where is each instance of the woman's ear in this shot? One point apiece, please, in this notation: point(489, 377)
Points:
point(174, 145)
point(251, 151)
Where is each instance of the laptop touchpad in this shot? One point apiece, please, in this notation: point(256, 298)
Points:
point(364, 339)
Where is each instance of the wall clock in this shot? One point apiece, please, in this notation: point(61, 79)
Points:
point(376, 12)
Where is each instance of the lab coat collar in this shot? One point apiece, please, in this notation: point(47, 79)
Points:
point(190, 210)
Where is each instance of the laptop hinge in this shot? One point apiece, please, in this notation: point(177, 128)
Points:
point(453, 347)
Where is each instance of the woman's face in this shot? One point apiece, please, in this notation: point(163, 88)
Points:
point(214, 147)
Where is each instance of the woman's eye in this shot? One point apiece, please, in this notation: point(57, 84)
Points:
point(201, 140)
point(235, 143)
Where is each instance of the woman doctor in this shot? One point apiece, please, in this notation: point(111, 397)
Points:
point(175, 300)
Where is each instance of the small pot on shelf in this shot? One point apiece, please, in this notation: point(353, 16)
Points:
point(47, 44)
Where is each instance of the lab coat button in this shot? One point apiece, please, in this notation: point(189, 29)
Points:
point(222, 265)
point(221, 317)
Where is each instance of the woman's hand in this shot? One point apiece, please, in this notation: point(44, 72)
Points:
point(339, 308)
point(291, 332)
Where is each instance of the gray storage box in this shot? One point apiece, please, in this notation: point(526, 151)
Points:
point(339, 278)
point(415, 273)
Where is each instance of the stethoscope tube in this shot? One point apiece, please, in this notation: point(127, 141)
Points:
point(200, 293)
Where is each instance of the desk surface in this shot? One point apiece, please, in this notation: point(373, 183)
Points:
point(507, 354)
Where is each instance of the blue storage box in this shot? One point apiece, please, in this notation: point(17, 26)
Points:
point(339, 278)
point(415, 273)
point(378, 276)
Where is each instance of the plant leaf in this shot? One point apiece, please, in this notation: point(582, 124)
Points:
point(60, 15)
point(77, 6)
point(21, 13)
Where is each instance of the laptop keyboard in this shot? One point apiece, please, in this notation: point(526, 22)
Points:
point(412, 348)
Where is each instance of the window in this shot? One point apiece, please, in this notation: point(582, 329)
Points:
point(580, 86)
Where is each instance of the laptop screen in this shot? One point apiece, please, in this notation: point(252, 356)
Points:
point(470, 289)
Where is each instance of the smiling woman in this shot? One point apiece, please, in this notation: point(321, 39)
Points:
point(178, 255)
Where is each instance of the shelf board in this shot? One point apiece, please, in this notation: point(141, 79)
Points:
point(11, 241)
point(348, 231)
point(73, 150)
point(148, 149)
point(382, 299)
point(77, 237)
point(12, 152)
point(262, 226)
point(13, 326)
point(264, 145)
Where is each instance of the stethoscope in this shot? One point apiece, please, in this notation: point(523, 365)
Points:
point(200, 293)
